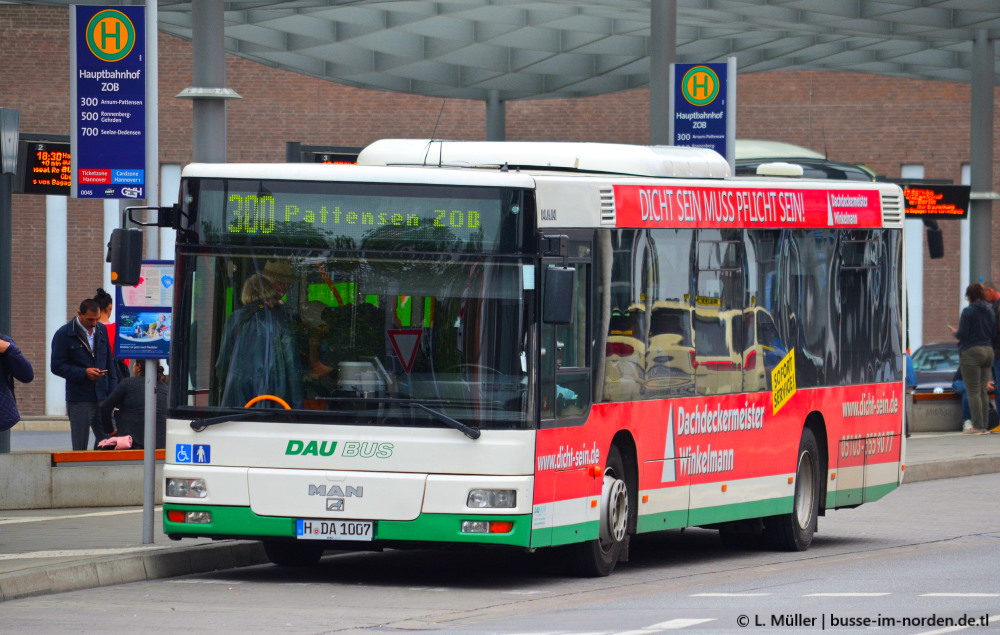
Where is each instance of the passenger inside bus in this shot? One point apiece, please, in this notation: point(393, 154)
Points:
point(258, 353)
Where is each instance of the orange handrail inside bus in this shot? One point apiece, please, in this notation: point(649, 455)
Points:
point(268, 398)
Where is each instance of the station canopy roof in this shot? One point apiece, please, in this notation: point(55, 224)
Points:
point(529, 49)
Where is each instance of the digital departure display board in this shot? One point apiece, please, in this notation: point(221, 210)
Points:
point(44, 167)
point(341, 158)
point(351, 216)
point(936, 200)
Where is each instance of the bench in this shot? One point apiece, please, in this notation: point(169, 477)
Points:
point(103, 457)
point(84, 478)
point(930, 412)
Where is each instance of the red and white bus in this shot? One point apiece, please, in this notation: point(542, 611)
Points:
point(529, 345)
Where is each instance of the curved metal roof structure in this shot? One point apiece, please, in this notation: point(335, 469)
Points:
point(526, 49)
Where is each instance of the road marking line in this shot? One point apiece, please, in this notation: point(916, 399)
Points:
point(75, 553)
point(955, 629)
point(670, 625)
point(960, 595)
point(728, 595)
point(37, 519)
point(845, 595)
point(230, 582)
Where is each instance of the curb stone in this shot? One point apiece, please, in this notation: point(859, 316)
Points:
point(134, 568)
point(934, 470)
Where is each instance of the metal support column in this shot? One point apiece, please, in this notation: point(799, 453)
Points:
point(209, 93)
point(981, 155)
point(496, 117)
point(662, 53)
point(10, 121)
point(6, 265)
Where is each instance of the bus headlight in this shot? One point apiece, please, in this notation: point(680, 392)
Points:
point(186, 488)
point(483, 498)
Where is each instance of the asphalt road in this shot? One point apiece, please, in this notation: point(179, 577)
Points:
point(926, 554)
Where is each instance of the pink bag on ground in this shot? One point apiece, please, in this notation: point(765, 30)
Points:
point(116, 443)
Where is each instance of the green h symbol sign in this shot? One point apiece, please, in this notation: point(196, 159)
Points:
point(110, 35)
point(700, 86)
point(118, 36)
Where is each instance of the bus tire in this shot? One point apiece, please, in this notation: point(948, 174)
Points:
point(292, 554)
point(597, 558)
point(794, 531)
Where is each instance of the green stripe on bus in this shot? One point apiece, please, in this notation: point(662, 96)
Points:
point(565, 534)
point(665, 520)
point(242, 522)
point(858, 495)
point(738, 511)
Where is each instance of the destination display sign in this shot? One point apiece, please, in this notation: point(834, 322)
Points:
point(741, 207)
point(445, 219)
point(108, 101)
point(936, 201)
point(47, 167)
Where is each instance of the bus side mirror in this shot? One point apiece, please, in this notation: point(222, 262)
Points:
point(125, 256)
point(169, 216)
point(557, 305)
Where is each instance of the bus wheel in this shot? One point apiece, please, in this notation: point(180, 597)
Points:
point(292, 554)
point(794, 531)
point(598, 557)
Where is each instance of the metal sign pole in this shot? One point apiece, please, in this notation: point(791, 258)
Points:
point(10, 119)
point(152, 251)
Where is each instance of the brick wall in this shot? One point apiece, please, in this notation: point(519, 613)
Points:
point(882, 122)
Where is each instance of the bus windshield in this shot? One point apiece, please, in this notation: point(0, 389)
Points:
point(352, 302)
point(359, 339)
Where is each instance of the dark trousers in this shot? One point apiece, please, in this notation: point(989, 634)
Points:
point(976, 364)
point(84, 417)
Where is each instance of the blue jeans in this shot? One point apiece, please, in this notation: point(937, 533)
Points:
point(959, 387)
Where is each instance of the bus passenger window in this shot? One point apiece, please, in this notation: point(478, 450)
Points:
point(671, 355)
point(625, 352)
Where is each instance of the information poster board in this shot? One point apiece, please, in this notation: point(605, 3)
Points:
point(144, 313)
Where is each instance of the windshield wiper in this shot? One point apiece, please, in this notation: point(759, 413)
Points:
point(200, 424)
point(469, 431)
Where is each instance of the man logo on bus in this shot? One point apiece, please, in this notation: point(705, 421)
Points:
point(700, 86)
point(110, 35)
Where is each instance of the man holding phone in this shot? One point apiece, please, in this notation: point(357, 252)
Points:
point(81, 354)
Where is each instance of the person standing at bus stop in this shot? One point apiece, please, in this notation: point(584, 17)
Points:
point(13, 366)
point(976, 329)
point(993, 297)
point(105, 304)
point(81, 354)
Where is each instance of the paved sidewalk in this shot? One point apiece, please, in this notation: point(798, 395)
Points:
point(53, 550)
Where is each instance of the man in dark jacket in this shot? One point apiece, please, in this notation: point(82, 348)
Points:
point(81, 354)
